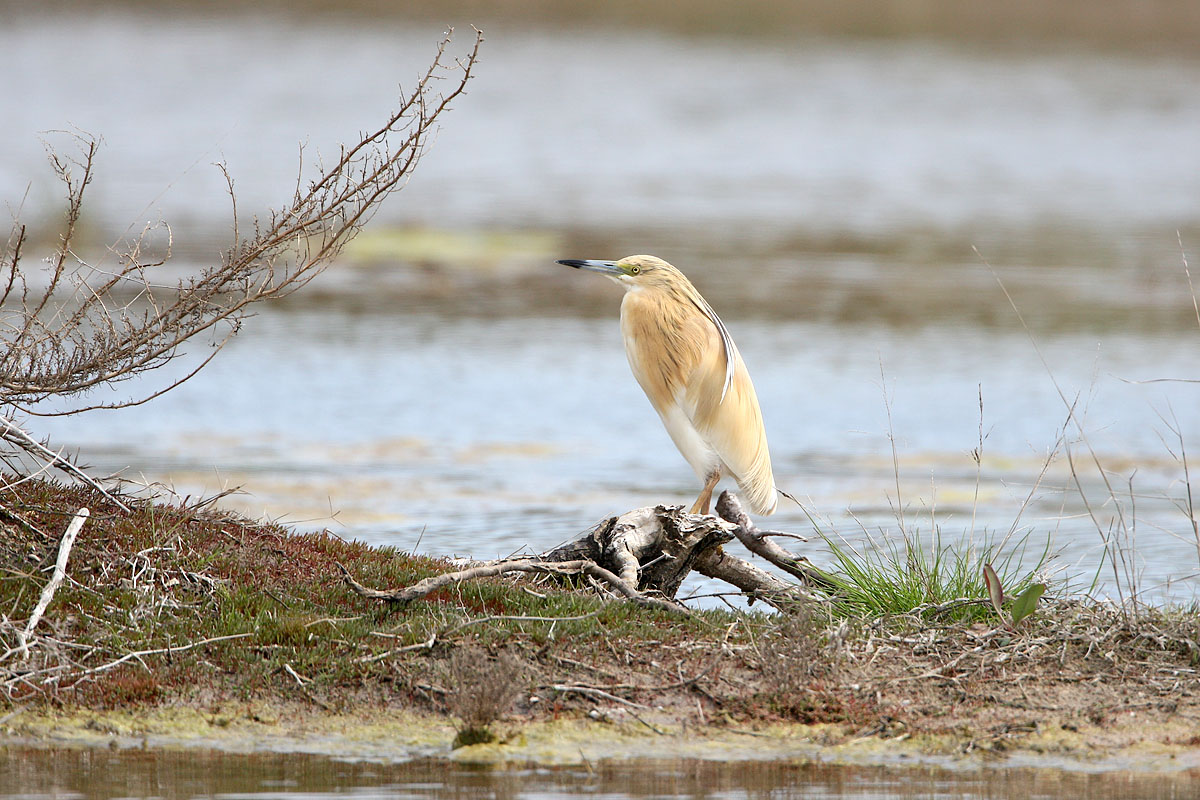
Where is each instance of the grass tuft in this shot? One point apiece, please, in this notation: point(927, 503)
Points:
point(927, 576)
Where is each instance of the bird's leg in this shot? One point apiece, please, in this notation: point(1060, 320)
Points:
point(701, 504)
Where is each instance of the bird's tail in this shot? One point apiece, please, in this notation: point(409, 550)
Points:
point(758, 490)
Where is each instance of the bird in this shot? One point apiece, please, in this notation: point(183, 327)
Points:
point(687, 364)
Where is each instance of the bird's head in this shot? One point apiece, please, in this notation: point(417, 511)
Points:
point(633, 271)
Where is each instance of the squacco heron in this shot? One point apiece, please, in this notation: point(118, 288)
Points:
point(689, 367)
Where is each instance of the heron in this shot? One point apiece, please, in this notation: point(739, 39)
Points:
point(688, 366)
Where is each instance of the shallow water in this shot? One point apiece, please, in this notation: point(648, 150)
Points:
point(26, 774)
point(487, 436)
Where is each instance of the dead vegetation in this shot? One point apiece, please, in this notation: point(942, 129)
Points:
point(645, 554)
point(72, 324)
point(483, 689)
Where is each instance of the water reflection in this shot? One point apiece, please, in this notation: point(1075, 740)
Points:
point(96, 774)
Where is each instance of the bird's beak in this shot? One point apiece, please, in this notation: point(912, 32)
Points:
point(603, 267)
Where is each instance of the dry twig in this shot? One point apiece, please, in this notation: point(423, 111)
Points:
point(56, 579)
point(492, 569)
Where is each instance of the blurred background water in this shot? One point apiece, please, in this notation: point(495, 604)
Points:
point(847, 187)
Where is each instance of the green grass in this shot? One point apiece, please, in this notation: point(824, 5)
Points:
point(914, 573)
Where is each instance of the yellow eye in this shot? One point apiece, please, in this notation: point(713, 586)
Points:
point(634, 270)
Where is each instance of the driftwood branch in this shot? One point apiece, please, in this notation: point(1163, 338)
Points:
point(580, 567)
point(756, 583)
point(644, 555)
point(653, 548)
point(756, 542)
point(11, 432)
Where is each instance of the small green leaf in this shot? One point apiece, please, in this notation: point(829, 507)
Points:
point(995, 590)
point(1025, 604)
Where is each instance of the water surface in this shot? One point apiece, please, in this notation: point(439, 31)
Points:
point(96, 774)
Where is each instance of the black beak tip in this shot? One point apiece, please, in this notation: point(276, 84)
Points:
point(570, 262)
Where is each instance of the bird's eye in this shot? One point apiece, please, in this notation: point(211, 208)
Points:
point(634, 270)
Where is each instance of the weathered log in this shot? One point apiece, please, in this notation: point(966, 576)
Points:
point(656, 547)
point(757, 584)
point(652, 548)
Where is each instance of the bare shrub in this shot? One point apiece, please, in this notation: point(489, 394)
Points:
point(68, 326)
point(483, 688)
